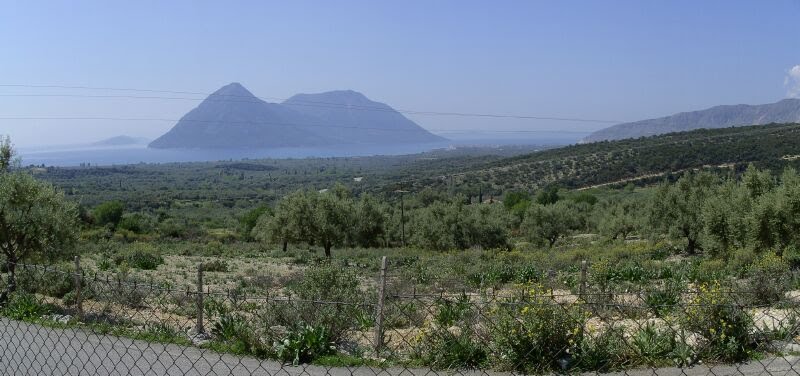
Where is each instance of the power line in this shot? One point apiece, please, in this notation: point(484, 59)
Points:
point(295, 102)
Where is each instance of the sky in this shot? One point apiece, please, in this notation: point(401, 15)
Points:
point(606, 60)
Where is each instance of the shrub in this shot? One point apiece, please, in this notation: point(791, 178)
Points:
point(216, 266)
point(792, 256)
point(404, 314)
point(707, 271)
point(449, 348)
point(108, 213)
point(304, 344)
point(535, 335)
point(723, 325)
point(740, 261)
point(449, 312)
point(55, 282)
point(664, 299)
point(136, 223)
point(447, 342)
point(237, 336)
point(140, 256)
point(24, 306)
point(604, 351)
point(129, 297)
point(654, 346)
point(770, 279)
point(338, 289)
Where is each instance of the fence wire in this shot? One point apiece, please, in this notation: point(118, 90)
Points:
point(68, 322)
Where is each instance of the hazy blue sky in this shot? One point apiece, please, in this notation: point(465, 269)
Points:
point(618, 60)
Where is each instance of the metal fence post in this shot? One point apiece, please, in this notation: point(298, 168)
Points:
point(583, 281)
point(379, 308)
point(199, 327)
point(78, 275)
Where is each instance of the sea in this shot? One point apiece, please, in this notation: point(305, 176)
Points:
point(135, 154)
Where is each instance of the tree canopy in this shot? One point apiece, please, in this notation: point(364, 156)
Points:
point(35, 220)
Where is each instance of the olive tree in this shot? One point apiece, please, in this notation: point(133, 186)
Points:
point(676, 209)
point(724, 216)
point(438, 226)
point(548, 223)
point(774, 221)
point(370, 222)
point(325, 219)
point(332, 221)
point(292, 221)
point(618, 218)
point(6, 154)
point(35, 220)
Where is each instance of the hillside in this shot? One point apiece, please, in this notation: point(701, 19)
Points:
point(459, 171)
point(770, 146)
point(232, 118)
point(785, 111)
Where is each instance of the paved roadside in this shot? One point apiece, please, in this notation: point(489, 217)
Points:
point(28, 349)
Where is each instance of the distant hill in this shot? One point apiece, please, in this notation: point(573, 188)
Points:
point(121, 141)
point(233, 118)
point(785, 111)
point(647, 159)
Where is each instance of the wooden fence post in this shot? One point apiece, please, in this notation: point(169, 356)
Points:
point(551, 280)
point(583, 281)
point(78, 300)
point(379, 308)
point(199, 327)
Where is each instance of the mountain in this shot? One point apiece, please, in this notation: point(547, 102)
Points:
point(353, 118)
point(121, 141)
point(233, 118)
point(785, 111)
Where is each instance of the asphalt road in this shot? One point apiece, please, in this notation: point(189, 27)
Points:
point(27, 349)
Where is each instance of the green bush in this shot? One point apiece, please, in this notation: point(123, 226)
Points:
point(108, 213)
point(654, 346)
point(54, 281)
point(605, 351)
point(662, 300)
point(769, 279)
point(535, 335)
point(24, 306)
point(724, 326)
point(319, 286)
point(136, 223)
point(234, 334)
point(792, 256)
point(449, 311)
point(140, 256)
point(304, 344)
point(708, 271)
point(216, 266)
point(449, 348)
point(448, 342)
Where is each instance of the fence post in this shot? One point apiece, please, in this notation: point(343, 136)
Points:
point(583, 281)
point(78, 274)
point(551, 280)
point(379, 308)
point(199, 327)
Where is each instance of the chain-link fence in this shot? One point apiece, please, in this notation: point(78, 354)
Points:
point(67, 321)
